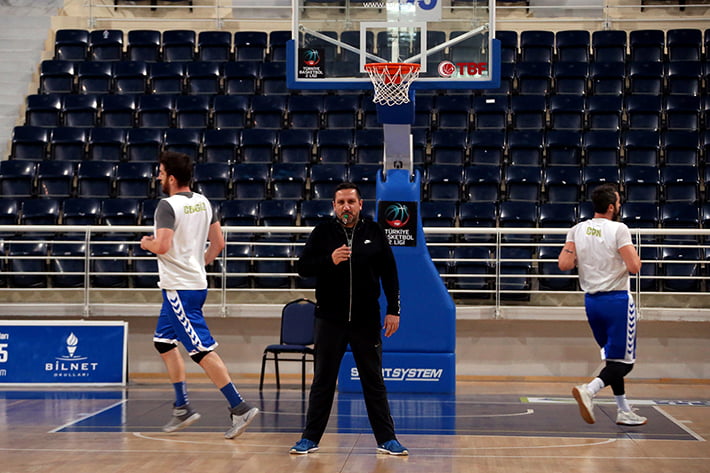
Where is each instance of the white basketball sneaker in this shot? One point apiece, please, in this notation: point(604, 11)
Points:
point(585, 401)
point(629, 418)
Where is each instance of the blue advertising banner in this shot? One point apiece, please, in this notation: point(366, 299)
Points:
point(63, 352)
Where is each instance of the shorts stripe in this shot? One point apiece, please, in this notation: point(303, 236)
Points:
point(176, 304)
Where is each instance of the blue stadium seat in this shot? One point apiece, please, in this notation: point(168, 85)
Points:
point(567, 112)
point(288, 181)
point(56, 76)
point(601, 147)
point(240, 77)
point(134, 180)
point(273, 78)
point(642, 147)
point(365, 176)
point(452, 112)
point(680, 184)
point(334, 146)
point(304, 112)
point(681, 147)
point(641, 215)
point(341, 111)
point(268, 111)
point(523, 183)
point(143, 45)
point(487, 147)
point(144, 261)
point(67, 144)
point(368, 146)
point(607, 78)
point(525, 148)
point(9, 213)
point(214, 46)
point(80, 110)
point(684, 44)
point(258, 145)
point(143, 144)
point(243, 212)
point(316, 211)
point(680, 215)
point(439, 214)
point(482, 214)
point(508, 45)
point(111, 261)
point(148, 207)
point(682, 112)
point(573, 46)
point(71, 44)
point(518, 214)
point(563, 147)
point(325, 178)
point(220, 145)
point(17, 178)
point(551, 277)
point(40, 212)
point(230, 111)
point(272, 263)
point(645, 78)
point(43, 110)
point(278, 212)
point(178, 45)
point(67, 256)
point(81, 211)
point(105, 45)
point(471, 49)
point(537, 45)
point(296, 146)
point(155, 111)
point(28, 260)
point(183, 140)
point(515, 268)
point(118, 111)
point(481, 183)
point(94, 179)
point(239, 261)
point(94, 77)
point(29, 143)
point(121, 211)
point(647, 45)
point(604, 112)
point(213, 180)
point(277, 45)
point(203, 77)
point(448, 147)
point(570, 78)
point(528, 112)
point(250, 45)
point(533, 78)
point(193, 111)
point(641, 183)
point(563, 184)
point(609, 46)
point(250, 180)
point(473, 269)
point(443, 182)
point(490, 113)
point(681, 262)
point(166, 77)
point(55, 178)
point(684, 78)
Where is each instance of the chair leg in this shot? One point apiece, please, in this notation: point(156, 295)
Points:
point(263, 366)
point(303, 373)
point(276, 369)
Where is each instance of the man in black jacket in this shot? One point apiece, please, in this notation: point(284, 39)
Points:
point(349, 256)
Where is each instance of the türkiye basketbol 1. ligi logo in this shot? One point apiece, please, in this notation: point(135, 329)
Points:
point(311, 57)
point(397, 215)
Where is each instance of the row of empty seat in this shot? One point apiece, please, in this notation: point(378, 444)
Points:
point(678, 44)
point(344, 146)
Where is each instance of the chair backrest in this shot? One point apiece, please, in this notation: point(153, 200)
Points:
point(297, 319)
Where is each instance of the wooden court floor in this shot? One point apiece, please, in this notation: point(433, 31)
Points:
point(486, 426)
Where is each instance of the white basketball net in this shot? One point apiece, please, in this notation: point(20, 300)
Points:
point(392, 81)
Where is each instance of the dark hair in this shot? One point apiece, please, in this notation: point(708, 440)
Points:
point(178, 165)
point(603, 196)
point(347, 185)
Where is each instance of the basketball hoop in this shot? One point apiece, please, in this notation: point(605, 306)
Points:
point(392, 81)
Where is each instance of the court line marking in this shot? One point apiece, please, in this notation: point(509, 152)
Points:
point(86, 416)
point(680, 424)
point(419, 416)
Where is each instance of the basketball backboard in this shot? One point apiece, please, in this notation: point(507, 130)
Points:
point(452, 41)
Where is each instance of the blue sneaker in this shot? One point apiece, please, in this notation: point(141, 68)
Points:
point(392, 447)
point(304, 446)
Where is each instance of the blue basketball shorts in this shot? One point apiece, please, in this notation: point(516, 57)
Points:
point(181, 320)
point(612, 318)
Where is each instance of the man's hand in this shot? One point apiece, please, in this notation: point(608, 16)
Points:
point(391, 324)
point(146, 241)
point(341, 254)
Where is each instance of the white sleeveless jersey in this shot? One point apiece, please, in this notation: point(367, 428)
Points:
point(183, 266)
point(600, 266)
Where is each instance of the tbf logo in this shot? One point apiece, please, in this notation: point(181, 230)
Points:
point(449, 69)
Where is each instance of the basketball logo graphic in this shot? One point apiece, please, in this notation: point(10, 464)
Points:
point(397, 215)
point(446, 68)
point(311, 57)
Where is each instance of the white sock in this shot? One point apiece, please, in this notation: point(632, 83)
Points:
point(622, 404)
point(595, 386)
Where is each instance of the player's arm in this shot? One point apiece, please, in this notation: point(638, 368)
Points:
point(631, 258)
point(160, 243)
point(216, 242)
point(568, 257)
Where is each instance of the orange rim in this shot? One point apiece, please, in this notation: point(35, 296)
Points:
point(393, 71)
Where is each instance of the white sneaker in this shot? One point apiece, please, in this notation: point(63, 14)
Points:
point(629, 418)
point(240, 421)
point(585, 401)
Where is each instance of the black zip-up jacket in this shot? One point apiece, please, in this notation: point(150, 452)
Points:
point(350, 291)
